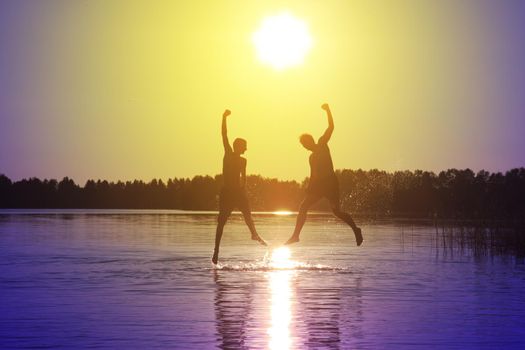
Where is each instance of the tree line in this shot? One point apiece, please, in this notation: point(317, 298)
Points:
point(452, 193)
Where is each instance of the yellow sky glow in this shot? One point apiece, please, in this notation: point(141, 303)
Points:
point(136, 89)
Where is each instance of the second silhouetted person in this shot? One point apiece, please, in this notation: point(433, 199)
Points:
point(323, 181)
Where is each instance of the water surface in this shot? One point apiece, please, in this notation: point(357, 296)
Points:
point(143, 279)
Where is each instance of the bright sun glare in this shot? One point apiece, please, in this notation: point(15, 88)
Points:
point(281, 259)
point(282, 41)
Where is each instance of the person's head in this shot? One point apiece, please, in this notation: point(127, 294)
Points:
point(239, 145)
point(307, 141)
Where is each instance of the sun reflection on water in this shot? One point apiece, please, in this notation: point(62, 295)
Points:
point(281, 298)
point(282, 212)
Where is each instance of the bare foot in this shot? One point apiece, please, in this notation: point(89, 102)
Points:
point(293, 239)
point(215, 257)
point(259, 239)
point(358, 236)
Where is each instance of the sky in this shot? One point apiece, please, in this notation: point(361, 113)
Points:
point(123, 90)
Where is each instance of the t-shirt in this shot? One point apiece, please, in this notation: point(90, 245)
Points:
point(232, 166)
point(321, 166)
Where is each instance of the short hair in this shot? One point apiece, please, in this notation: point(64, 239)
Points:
point(304, 138)
point(239, 143)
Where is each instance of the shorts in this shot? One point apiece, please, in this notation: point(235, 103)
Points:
point(326, 187)
point(231, 198)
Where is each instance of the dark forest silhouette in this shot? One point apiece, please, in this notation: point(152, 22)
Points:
point(451, 194)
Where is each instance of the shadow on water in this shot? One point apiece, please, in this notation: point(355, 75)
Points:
point(332, 316)
point(233, 305)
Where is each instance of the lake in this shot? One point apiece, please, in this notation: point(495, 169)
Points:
point(124, 279)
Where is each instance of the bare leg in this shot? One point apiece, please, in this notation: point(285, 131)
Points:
point(221, 221)
point(301, 218)
point(249, 222)
point(348, 219)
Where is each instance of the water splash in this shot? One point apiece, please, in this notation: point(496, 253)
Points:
point(278, 259)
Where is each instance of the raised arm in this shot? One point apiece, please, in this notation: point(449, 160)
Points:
point(328, 132)
point(225, 142)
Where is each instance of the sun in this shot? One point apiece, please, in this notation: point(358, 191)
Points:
point(282, 41)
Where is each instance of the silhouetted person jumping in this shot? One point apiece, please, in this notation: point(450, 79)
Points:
point(323, 182)
point(233, 193)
